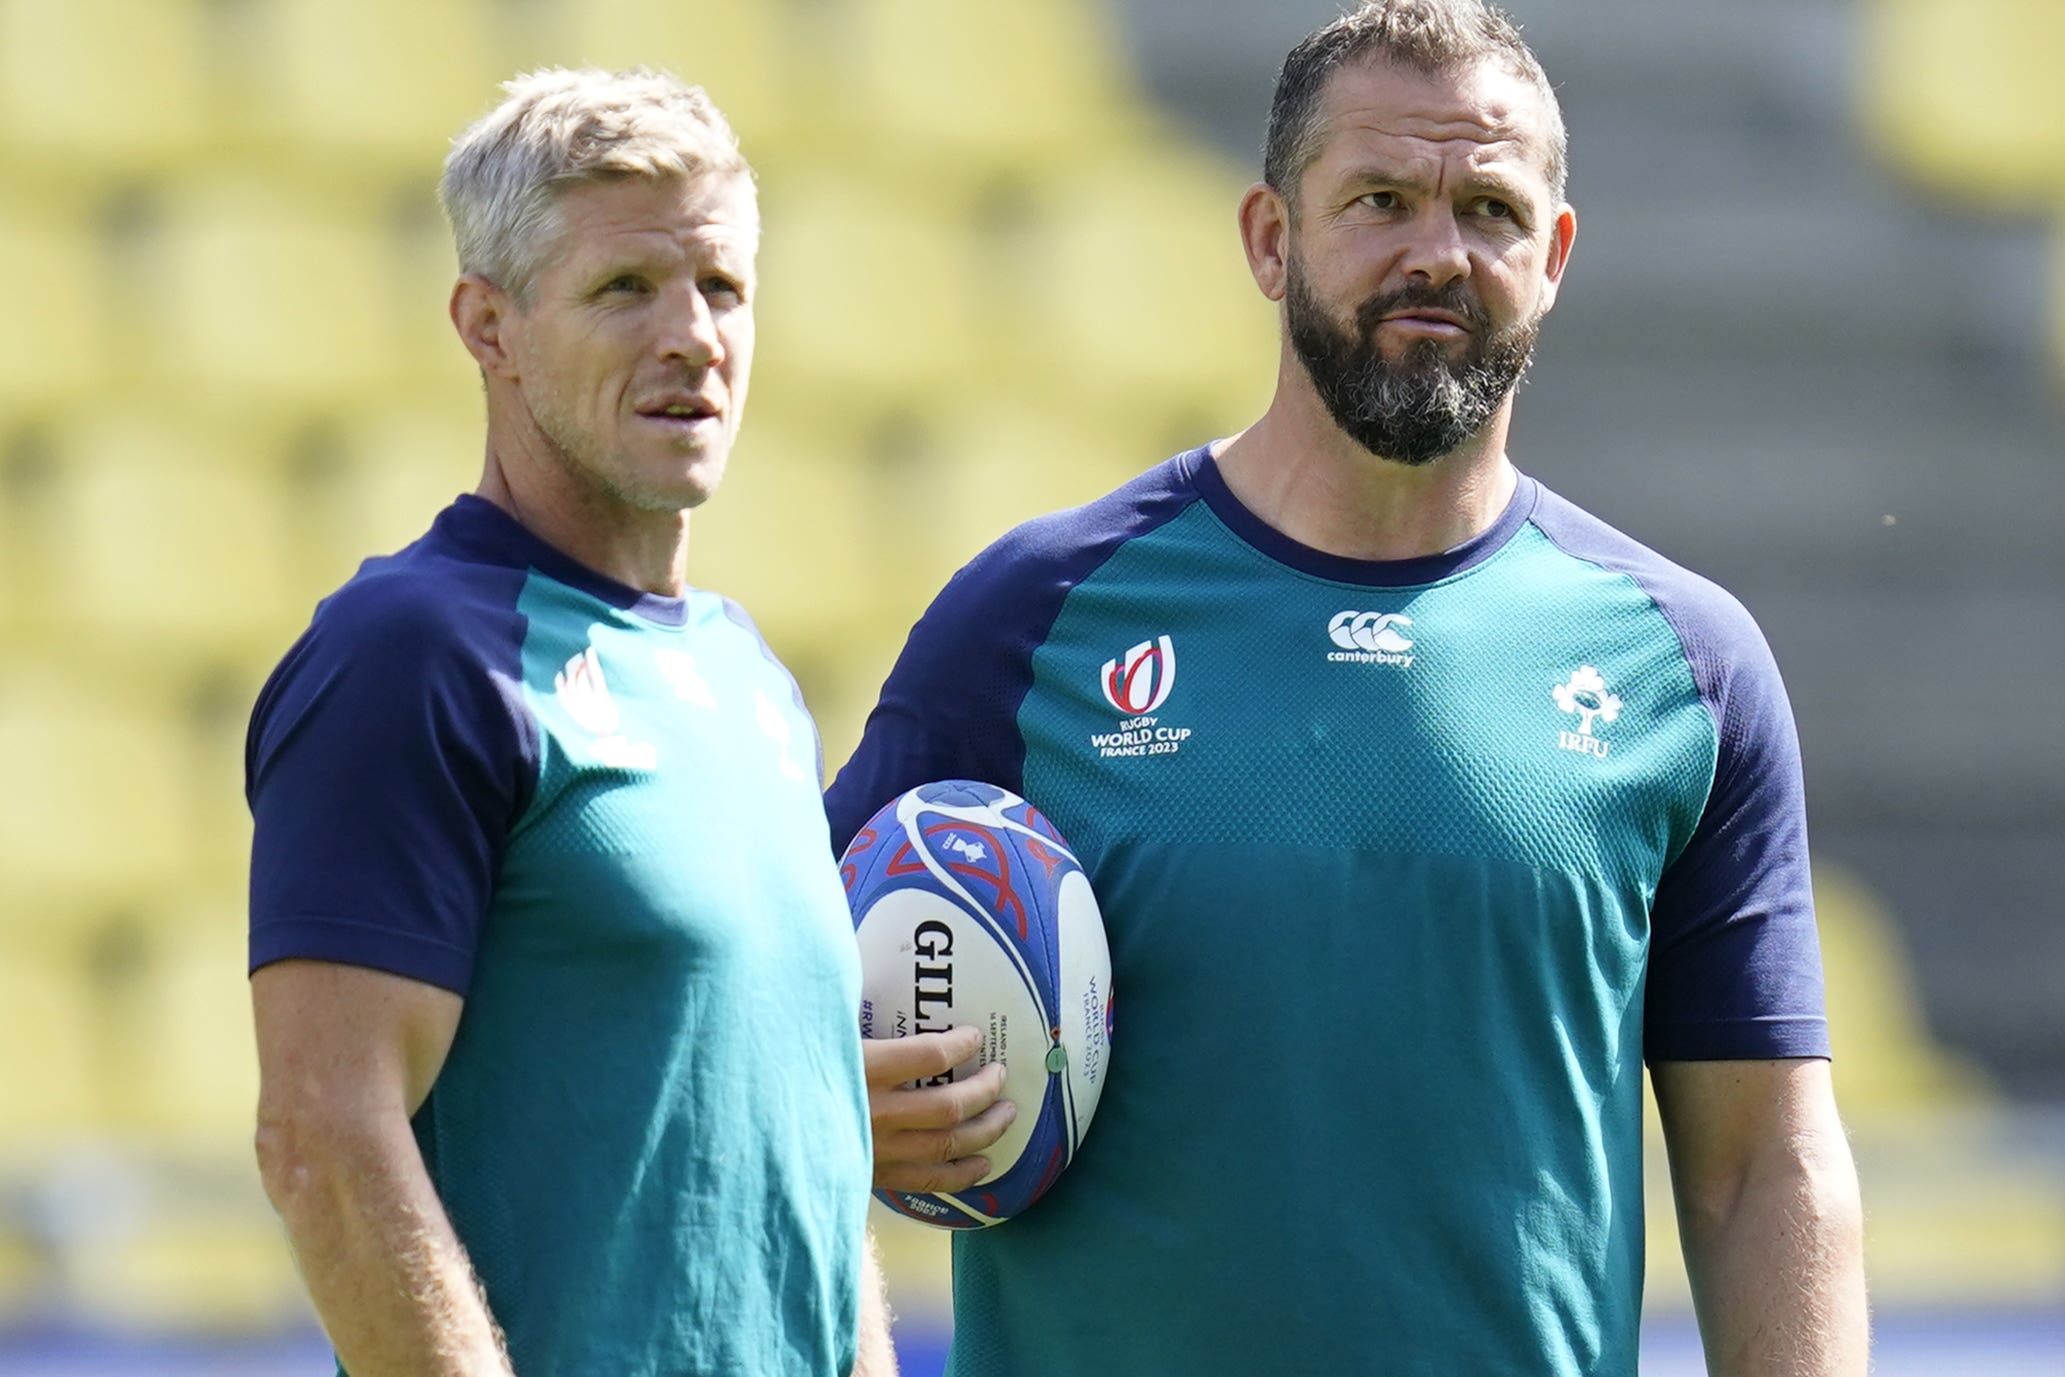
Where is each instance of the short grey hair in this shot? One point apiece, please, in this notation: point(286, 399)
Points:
point(1431, 37)
point(556, 127)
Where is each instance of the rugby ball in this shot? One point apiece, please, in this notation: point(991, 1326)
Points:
point(971, 909)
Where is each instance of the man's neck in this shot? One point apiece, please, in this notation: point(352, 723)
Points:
point(646, 550)
point(1299, 472)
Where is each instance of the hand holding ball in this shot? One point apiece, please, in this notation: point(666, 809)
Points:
point(972, 910)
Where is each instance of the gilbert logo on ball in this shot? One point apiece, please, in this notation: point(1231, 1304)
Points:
point(971, 909)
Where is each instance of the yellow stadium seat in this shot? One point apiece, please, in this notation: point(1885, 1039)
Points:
point(994, 462)
point(96, 811)
point(1963, 94)
point(200, 1266)
point(387, 475)
point(153, 552)
point(744, 55)
point(104, 86)
point(792, 536)
point(377, 84)
point(1137, 286)
point(986, 85)
point(868, 291)
point(55, 285)
point(264, 292)
point(49, 1079)
point(429, 360)
point(185, 1063)
point(1885, 1061)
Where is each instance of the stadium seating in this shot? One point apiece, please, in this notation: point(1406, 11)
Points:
point(370, 484)
point(132, 561)
point(182, 1068)
point(98, 814)
point(57, 345)
point(104, 87)
point(744, 55)
point(1140, 288)
point(868, 289)
point(313, 64)
point(1963, 94)
point(267, 291)
point(50, 1086)
point(970, 88)
point(795, 535)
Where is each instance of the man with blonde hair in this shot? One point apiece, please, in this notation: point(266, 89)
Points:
point(554, 981)
point(1471, 807)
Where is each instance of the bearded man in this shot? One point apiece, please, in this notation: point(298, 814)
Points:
point(1467, 807)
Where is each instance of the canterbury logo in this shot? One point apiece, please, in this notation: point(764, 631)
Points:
point(1140, 683)
point(1369, 631)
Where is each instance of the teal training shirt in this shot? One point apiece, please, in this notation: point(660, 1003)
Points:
point(594, 814)
point(1407, 867)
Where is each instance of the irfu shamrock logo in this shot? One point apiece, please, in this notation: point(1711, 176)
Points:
point(1586, 695)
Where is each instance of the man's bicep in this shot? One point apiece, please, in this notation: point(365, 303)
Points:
point(383, 787)
point(1734, 959)
point(348, 1040)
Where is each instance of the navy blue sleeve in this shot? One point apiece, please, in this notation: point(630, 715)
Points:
point(949, 709)
point(387, 759)
point(1734, 958)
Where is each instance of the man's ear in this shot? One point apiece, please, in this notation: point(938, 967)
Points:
point(482, 314)
point(1562, 237)
point(1265, 232)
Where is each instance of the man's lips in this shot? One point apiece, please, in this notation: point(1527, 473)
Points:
point(1430, 319)
point(681, 410)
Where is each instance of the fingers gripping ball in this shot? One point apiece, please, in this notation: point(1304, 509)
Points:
point(971, 909)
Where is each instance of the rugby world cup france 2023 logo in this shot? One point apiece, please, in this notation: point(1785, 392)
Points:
point(1140, 683)
point(1136, 685)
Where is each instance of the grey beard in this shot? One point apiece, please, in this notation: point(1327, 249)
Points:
point(1423, 406)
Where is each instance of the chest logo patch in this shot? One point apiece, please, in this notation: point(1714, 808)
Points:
point(1136, 685)
point(1586, 697)
point(583, 690)
point(1370, 638)
point(1141, 682)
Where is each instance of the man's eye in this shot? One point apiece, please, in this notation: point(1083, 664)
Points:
point(722, 287)
point(1381, 200)
point(626, 282)
point(1495, 208)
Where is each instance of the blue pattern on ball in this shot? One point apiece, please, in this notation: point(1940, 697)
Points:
point(1010, 861)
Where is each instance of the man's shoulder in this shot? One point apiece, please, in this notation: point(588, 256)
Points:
point(1045, 557)
point(426, 598)
point(1711, 621)
point(430, 622)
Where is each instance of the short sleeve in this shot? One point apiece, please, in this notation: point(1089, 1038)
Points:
point(947, 710)
point(387, 760)
point(1735, 963)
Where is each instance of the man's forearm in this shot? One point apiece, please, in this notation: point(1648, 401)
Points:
point(388, 1276)
point(1778, 1269)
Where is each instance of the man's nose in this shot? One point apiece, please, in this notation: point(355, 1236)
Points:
point(1436, 253)
point(690, 334)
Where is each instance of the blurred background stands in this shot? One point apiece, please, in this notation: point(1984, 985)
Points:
point(1810, 346)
